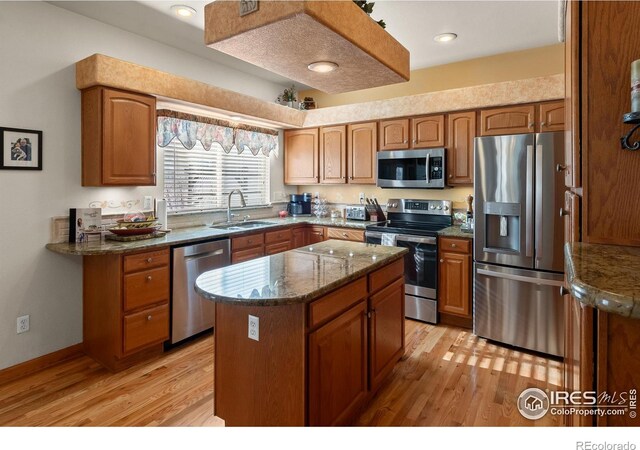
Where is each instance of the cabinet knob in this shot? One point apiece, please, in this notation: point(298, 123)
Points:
point(149, 260)
point(415, 141)
point(249, 241)
point(453, 245)
point(560, 167)
point(351, 178)
point(149, 317)
point(149, 278)
point(563, 212)
point(345, 234)
point(543, 124)
point(564, 291)
point(531, 124)
point(442, 260)
point(405, 141)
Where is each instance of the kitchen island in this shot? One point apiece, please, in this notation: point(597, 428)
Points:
point(307, 336)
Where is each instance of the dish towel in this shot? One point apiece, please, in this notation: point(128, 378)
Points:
point(388, 239)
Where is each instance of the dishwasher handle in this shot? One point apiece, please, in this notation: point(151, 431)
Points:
point(204, 255)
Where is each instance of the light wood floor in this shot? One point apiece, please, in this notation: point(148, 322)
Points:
point(447, 377)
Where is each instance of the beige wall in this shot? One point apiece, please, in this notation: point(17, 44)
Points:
point(531, 63)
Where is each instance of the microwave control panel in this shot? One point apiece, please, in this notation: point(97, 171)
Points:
point(436, 171)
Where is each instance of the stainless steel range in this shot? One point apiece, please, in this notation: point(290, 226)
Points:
point(414, 224)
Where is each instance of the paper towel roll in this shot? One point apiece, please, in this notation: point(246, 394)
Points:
point(161, 213)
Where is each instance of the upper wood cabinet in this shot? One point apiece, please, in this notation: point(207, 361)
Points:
point(333, 155)
point(118, 138)
point(427, 131)
point(509, 120)
point(301, 156)
point(551, 117)
point(362, 142)
point(462, 131)
point(394, 134)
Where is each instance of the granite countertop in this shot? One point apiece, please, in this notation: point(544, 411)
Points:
point(606, 277)
point(193, 234)
point(455, 231)
point(295, 276)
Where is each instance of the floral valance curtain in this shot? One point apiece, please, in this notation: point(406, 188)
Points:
point(189, 128)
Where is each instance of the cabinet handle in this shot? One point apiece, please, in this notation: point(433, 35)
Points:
point(453, 245)
point(450, 176)
point(543, 124)
point(149, 278)
point(560, 167)
point(249, 241)
point(351, 178)
point(149, 317)
point(531, 124)
point(415, 141)
point(564, 291)
point(345, 234)
point(405, 141)
point(149, 260)
point(563, 212)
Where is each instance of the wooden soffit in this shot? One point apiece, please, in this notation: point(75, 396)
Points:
point(284, 37)
point(101, 70)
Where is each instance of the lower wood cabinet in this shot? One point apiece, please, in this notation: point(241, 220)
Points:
point(315, 234)
point(299, 237)
point(125, 306)
point(345, 234)
point(454, 281)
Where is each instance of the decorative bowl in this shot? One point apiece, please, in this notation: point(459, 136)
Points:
point(133, 231)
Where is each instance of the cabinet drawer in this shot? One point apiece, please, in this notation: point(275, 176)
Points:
point(382, 277)
point(147, 260)
point(455, 245)
point(344, 234)
point(253, 240)
point(337, 301)
point(246, 255)
point(146, 288)
point(146, 327)
point(278, 236)
point(278, 247)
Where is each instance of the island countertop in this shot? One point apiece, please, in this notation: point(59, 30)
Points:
point(295, 276)
point(606, 277)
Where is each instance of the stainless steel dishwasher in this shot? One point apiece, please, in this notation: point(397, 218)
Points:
point(192, 314)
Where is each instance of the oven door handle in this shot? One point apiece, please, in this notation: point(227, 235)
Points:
point(416, 239)
point(373, 234)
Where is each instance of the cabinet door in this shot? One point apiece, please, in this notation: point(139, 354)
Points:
point(128, 139)
point(333, 155)
point(454, 290)
point(551, 116)
point(338, 368)
point(315, 235)
point(510, 120)
point(462, 131)
point(362, 141)
point(299, 237)
point(386, 331)
point(301, 156)
point(427, 131)
point(394, 134)
point(571, 212)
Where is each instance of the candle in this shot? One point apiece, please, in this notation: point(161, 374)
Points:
point(635, 86)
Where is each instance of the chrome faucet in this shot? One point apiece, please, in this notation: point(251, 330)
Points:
point(242, 203)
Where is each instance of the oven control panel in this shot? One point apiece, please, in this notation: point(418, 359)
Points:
point(437, 207)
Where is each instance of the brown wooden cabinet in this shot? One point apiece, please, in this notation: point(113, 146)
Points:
point(551, 117)
point(301, 163)
point(386, 331)
point(333, 155)
point(362, 144)
point(125, 306)
point(246, 248)
point(118, 138)
point(393, 134)
point(427, 131)
point(299, 237)
point(508, 120)
point(454, 279)
point(345, 234)
point(315, 234)
point(338, 368)
point(461, 134)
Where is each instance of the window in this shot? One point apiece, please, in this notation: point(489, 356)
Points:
point(200, 180)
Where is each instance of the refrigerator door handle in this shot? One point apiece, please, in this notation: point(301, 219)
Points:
point(513, 277)
point(529, 204)
point(539, 208)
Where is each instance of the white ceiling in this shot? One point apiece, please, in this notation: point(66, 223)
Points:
point(483, 27)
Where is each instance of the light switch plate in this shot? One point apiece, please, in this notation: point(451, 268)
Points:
point(254, 328)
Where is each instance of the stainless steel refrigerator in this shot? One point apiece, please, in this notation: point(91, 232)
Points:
point(518, 245)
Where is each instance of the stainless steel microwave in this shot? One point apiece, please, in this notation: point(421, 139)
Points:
point(422, 168)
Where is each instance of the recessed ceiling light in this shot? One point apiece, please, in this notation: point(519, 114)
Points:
point(322, 66)
point(445, 37)
point(183, 10)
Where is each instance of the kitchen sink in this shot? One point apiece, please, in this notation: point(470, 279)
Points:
point(241, 225)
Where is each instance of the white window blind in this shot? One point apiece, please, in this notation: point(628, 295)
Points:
point(200, 180)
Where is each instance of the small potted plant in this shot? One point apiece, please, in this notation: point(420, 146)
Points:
point(289, 96)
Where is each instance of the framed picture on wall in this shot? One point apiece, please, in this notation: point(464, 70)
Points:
point(21, 149)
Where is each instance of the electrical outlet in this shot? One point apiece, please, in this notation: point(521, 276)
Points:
point(23, 324)
point(147, 205)
point(254, 328)
point(361, 197)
